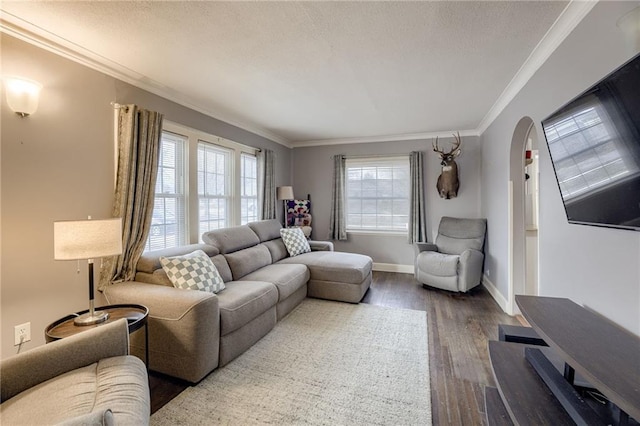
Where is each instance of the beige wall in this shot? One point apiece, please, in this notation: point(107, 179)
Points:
point(58, 164)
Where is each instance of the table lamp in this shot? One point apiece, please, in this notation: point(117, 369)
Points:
point(87, 239)
point(285, 193)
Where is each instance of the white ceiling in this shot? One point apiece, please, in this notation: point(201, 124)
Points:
point(309, 72)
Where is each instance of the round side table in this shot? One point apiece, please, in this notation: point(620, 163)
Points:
point(136, 316)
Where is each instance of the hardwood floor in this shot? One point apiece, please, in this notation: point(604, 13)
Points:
point(459, 326)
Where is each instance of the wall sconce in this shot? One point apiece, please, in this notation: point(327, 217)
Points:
point(22, 95)
point(629, 23)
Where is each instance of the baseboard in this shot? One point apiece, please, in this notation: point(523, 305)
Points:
point(493, 291)
point(392, 267)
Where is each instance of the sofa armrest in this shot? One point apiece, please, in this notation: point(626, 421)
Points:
point(163, 301)
point(184, 327)
point(28, 369)
point(321, 245)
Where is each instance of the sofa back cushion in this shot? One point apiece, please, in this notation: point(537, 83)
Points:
point(243, 262)
point(266, 229)
point(277, 249)
point(228, 240)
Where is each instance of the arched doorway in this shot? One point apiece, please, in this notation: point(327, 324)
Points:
point(523, 212)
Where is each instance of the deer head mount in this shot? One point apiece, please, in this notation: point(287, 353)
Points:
point(448, 183)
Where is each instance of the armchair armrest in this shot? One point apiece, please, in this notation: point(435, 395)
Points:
point(470, 273)
point(25, 370)
point(321, 245)
point(184, 327)
point(420, 247)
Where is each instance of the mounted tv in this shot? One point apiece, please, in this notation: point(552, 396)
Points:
point(594, 143)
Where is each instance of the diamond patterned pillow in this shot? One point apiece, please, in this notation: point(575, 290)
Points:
point(295, 241)
point(193, 271)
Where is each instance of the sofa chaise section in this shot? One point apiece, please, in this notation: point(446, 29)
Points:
point(335, 275)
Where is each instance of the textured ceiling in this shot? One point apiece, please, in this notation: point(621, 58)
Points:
point(308, 71)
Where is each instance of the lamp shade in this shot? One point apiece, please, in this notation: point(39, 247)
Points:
point(285, 193)
point(22, 95)
point(87, 239)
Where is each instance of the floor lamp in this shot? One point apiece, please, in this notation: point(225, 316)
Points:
point(87, 239)
point(285, 193)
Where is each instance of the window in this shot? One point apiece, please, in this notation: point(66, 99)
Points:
point(248, 188)
point(377, 194)
point(586, 150)
point(214, 187)
point(204, 183)
point(168, 224)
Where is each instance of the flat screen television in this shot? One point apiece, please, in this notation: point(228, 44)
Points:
point(594, 143)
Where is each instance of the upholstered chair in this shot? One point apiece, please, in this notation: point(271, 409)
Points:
point(455, 261)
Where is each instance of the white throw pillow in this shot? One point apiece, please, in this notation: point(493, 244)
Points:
point(193, 271)
point(295, 241)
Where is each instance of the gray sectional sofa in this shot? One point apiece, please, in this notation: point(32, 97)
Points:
point(193, 332)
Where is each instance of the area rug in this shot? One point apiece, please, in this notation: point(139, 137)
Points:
point(326, 363)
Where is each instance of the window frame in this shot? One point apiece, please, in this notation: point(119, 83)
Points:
point(376, 161)
point(180, 196)
point(190, 158)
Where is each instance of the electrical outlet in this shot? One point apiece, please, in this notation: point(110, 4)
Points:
point(22, 333)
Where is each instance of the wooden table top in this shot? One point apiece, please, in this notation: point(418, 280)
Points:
point(604, 353)
point(136, 316)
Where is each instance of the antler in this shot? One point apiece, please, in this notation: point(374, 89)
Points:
point(435, 146)
point(456, 145)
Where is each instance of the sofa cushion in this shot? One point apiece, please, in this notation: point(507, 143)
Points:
point(228, 240)
point(266, 229)
point(242, 301)
point(243, 262)
point(118, 383)
point(438, 264)
point(277, 249)
point(150, 260)
point(287, 278)
point(295, 241)
point(334, 266)
point(193, 271)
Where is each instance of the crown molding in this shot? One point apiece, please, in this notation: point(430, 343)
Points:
point(385, 138)
point(32, 34)
point(570, 17)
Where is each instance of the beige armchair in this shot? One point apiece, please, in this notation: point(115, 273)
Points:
point(84, 379)
point(455, 261)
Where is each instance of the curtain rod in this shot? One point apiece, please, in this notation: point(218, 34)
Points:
point(355, 157)
point(116, 105)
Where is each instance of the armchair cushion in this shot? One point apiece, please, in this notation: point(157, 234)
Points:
point(439, 264)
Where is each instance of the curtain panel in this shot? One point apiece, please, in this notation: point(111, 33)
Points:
point(139, 134)
point(337, 224)
point(266, 162)
point(417, 216)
